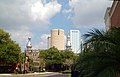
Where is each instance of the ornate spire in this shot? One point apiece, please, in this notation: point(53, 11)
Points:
point(29, 45)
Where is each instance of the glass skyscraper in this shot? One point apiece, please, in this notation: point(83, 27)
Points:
point(75, 40)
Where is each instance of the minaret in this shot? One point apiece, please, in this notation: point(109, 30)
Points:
point(68, 43)
point(27, 53)
point(29, 45)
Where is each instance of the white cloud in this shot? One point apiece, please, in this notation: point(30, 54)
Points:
point(43, 42)
point(21, 35)
point(44, 37)
point(45, 12)
point(88, 12)
point(34, 14)
point(66, 11)
point(22, 17)
point(73, 2)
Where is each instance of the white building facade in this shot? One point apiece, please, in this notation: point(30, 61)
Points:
point(75, 40)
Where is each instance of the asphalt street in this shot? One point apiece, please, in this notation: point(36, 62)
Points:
point(54, 75)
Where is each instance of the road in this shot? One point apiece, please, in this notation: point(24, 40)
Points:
point(39, 75)
point(53, 75)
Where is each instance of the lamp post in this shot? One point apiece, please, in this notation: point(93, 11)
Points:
point(22, 66)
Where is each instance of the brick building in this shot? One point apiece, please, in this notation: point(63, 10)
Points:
point(112, 15)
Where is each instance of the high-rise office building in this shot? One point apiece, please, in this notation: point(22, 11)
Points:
point(57, 38)
point(75, 40)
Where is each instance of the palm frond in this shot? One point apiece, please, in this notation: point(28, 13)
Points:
point(101, 56)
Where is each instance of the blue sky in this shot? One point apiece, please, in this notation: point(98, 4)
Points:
point(35, 18)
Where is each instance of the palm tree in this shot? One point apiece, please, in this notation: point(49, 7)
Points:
point(101, 56)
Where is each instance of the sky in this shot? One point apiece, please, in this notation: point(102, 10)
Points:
point(35, 18)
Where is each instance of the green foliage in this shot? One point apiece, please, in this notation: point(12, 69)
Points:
point(51, 56)
point(101, 55)
point(68, 54)
point(21, 57)
point(31, 64)
point(9, 50)
point(4, 37)
point(69, 58)
point(54, 57)
point(66, 71)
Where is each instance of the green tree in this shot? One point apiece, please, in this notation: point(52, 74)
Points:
point(69, 58)
point(42, 59)
point(56, 60)
point(31, 64)
point(9, 51)
point(53, 58)
point(69, 63)
point(41, 64)
point(101, 55)
point(21, 57)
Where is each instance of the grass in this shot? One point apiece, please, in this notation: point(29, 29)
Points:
point(69, 75)
point(66, 71)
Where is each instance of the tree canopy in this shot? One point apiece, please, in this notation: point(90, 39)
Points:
point(52, 56)
point(55, 58)
point(9, 50)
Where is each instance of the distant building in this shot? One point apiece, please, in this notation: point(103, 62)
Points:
point(75, 40)
point(30, 53)
point(28, 49)
point(57, 39)
point(68, 43)
point(49, 41)
point(112, 16)
point(81, 44)
point(107, 19)
point(29, 45)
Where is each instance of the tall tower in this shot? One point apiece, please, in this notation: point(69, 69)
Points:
point(68, 43)
point(29, 45)
point(49, 42)
point(75, 40)
point(57, 38)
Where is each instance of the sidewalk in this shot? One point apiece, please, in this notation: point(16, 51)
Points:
point(35, 73)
